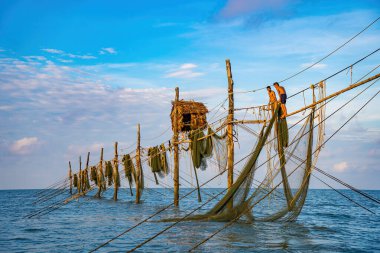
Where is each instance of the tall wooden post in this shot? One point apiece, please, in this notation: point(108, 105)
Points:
point(175, 144)
point(100, 175)
point(79, 185)
point(70, 179)
point(115, 174)
point(85, 174)
point(230, 126)
point(138, 166)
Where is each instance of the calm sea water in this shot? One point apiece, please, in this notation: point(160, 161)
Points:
point(328, 223)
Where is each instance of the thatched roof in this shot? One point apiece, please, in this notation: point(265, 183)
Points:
point(191, 107)
point(191, 115)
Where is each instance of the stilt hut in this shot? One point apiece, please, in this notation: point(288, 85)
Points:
point(191, 115)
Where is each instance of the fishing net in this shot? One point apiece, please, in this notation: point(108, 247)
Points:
point(203, 147)
point(115, 173)
point(282, 192)
point(94, 176)
point(129, 169)
point(157, 161)
point(109, 172)
point(75, 182)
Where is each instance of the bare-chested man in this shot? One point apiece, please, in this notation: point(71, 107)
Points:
point(282, 94)
point(272, 99)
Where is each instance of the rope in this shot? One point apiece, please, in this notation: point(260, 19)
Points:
point(315, 84)
point(338, 72)
point(235, 219)
point(153, 215)
point(323, 58)
point(322, 120)
point(342, 194)
point(334, 51)
point(342, 182)
point(175, 223)
point(301, 137)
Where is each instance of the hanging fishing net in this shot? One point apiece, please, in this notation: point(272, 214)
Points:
point(208, 148)
point(282, 192)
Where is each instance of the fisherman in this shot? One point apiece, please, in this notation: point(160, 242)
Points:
point(282, 94)
point(272, 99)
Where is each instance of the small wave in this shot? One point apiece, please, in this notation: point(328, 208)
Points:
point(20, 239)
point(34, 229)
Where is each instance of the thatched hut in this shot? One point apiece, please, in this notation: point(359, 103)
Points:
point(191, 115)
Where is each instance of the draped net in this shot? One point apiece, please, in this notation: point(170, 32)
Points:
point(288, 156)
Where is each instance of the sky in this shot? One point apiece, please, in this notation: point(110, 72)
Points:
point(76, 76)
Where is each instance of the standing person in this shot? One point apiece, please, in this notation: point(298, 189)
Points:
point(282, 94)
point(272, 99)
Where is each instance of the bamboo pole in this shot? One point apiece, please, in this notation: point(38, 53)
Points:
point(79, 185)
point(175, 144)
point(138, 166)
point(230, 126)
point(115, 174)
point(249, 121)
point(100, 175)
point(71, 179)
point(355, 85)
point(85, 174)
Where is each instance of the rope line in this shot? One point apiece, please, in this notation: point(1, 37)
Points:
point(334, 51)
point(235, 219)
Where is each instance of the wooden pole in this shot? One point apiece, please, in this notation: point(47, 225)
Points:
point(100, 175)
point(175, 144)
point(249, 121)
point(115, 174)
point(230, 127)
point(71, 179)
point(80, 176)
point(85, 174)
point(138, 166)
point(336, 94)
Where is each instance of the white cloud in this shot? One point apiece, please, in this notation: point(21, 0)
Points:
point(341, 167)
point(184, 71)
point(316, 66)
point(33, 57)
point(5, 107)
point(65, 61)
point(74, 150)
point(85, 57)
point(70, 55)
point(108, 50)
point(188, 66)
point(24, 145)
point(53, 51)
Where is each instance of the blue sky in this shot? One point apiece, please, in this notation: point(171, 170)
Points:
point(79, 75)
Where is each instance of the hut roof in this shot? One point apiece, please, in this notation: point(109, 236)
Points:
point(191, 107)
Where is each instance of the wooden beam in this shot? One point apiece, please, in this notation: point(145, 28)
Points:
point(115, 173)
point(355, 85)
point(100, 175)
point(249, 121)
point(138, 166)
point(175, 144)
point(85, 176)
point(70, 179)
point(79, 185)
point(230, 126)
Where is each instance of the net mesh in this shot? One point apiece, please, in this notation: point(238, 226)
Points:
point(288, 160)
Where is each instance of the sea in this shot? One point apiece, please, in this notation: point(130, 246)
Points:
point(327, 223)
